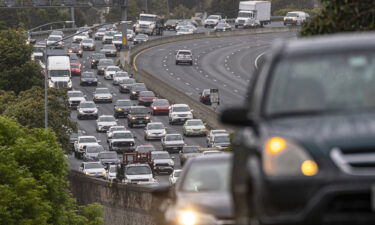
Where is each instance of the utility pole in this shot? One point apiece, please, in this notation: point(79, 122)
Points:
point(146, 6)
point(72, 17)
point(124, 24)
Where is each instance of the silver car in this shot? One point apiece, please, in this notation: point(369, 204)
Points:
point(92, 152)
point(75, 98)
point(88, 44)
point(155, 130)
point(103, 123)
point(102, 95)
point(119, 77)
point(112, 129)
point(122, 141)
point(93, 169)
point(110, 71)
point(172, 143)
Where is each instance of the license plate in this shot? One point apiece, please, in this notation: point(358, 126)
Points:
point(175, 148)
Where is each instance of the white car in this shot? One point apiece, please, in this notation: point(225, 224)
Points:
point(184, 31)
point(110, 71)
point(174, 176)
point(103, 123)
point(179, 113)
point(173, 143)
point(111, 173)
point(112, 129)
point(194, 127)
point(119, 76)
point(130, 35)
point(88, 44)
point(108, 37)
point(84, 141)
point(184, 56)
point(138, 174)
point(100, 33)
point(75, 98)
point(296, 18)
point(155, 130)
point(93, 169)
point(122, 141)
point(212, 21)
point(55, 40)
point(79, 37)
point(212, 133)
point(117, 41)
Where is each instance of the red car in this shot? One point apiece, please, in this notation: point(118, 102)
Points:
point(75, 68)
point(146, 98)
point(160, 106)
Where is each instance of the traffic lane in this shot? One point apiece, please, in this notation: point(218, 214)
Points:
point(208, 72)
point(107, 109)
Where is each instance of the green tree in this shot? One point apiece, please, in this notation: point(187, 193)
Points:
point(28, 109)
point(33, 187)
point(17, 71)
point(342, 16)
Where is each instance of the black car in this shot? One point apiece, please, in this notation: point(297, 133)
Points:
point(122, 107)
point(305, 155)
point(88, 78)
point(138, 115)
point(95, 57)
point(135, 89)
point(170, 25)
point(205, 97)
point(201, 194)
point(125, 85)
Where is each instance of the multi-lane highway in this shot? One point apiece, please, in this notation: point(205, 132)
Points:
point(223, 63)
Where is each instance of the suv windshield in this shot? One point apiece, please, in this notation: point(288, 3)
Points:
point(221, 139)
point(93, 166)
point(87, 105)
point(88, 75)
point(136, 170)
point(147, 18)
point(204, 176)
point(194, 123)
point(94, 149)
point(122, 135)
point(87, 140)
point(336, 82)
point(181, 109)
point(176, 137)
point(139, 111)
point(161, 156)
point(105, 62)
point(107, 119)
point(75, 94)
point(155, 126)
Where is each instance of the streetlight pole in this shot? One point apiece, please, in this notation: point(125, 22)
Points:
point(124, 27)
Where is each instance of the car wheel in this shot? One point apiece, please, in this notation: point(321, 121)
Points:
point(191, 63)
point(176, 62)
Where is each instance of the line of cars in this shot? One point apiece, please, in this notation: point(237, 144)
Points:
point(120, 139)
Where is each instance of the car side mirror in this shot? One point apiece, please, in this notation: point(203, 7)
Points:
point(192, 110)
point(236, 117)
point(116, 120)
point(99, 141)
point(173, 157)
point(97, 106)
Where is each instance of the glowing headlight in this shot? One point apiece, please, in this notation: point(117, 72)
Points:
point(50, 85)
point(147, 117)
point(133, 118)
point(190, 217)
point(285, 158)
point(80, 110)
point(70, 85)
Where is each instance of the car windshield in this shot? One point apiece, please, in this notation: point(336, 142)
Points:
point(292, 15)
point(54, 38)
point(106, 62)
point(145, 149)
point(107, 119)
point(59, 73)
point(137, 170)
point(74, 66)
point(181, 109)
point(75, 46)
point(184, 53)
point(109, 47)
point(147, 94)
point(109, 33)
point(219, 131)
point(124, 103)
point(122, 135)
point(139, 110)
point(130, 32)
point(213, 17)
point(87, 140)
point(322, 83)
point(155, 126)
point(147, 18)
point(94, 166)
point(102, 91)
point(88, 75)
point(75, 94)
point(221, 139)
point(94, 149)
point(140, 85)
point(87, 105)
point(139, 88)
point(128, 81)
point(116, 129)
point(161, 102)
point(176, 137)
point(113, 69)
point(207, 176)
point(164, 155)
point(191, 149)
point(101, 30)
point(122, 74)
point(108, 155)
point(117, 38)
point(194, 123)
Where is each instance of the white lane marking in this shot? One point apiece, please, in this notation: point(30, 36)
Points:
point(257, 58)
point(228, 68)
point(189, 93)
point(206, 75)
point(215, 80)
point(224, 85)
point(178, 78)
point(235, 90)
point(166, 69)
point(164, 65)
point(200, 71)
point(171, 74)
point(197, 67)
point(197, 89)
point(187, 84)
point(164, 61)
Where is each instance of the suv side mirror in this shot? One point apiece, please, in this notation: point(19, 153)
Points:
point(236, 117)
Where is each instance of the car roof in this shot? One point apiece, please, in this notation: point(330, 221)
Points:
point(137, 164)
point(122, 131)
point(106, 116)
point(159, 152)
point(75, 91)
point(194, 120)
point(102, 152)
point(86, 137)
point(179, 105)
point(335, 43)
point(85, 163)
point(220, 134)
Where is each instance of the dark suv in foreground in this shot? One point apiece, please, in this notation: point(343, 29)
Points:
point(138, 115)
point(306, 154)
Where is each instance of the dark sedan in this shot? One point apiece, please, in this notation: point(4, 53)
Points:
point(135, 89)
point(125, 85)
point(95, 57)
point(122, 107)
point(88, 79)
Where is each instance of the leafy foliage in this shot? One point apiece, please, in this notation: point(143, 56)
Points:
point(33, 187)
point(17, 71)
point(342, 16)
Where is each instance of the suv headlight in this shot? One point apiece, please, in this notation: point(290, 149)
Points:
point(285, 158)
point(70, 85)
point(192, 217)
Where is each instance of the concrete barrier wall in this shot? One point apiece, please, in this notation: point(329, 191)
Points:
point(123, 204)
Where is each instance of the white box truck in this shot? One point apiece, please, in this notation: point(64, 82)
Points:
point(253, 14)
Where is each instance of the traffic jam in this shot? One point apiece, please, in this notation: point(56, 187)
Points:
point(126, 133)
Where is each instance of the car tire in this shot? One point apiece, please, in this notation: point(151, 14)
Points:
point(176, 62)
point(191, 63)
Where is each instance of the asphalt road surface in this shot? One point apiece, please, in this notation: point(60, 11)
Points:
point(223, 63)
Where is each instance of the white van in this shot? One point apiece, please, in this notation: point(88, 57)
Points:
point(58, 68)
point(296, 18)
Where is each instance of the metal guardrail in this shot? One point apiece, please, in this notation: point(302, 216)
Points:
point(44, 32)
